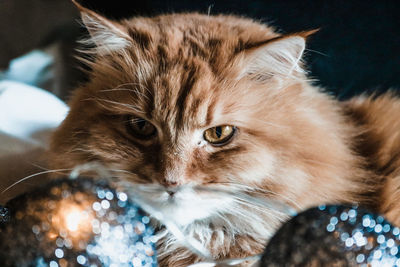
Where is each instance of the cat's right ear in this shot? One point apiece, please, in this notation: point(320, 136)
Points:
point(280, 57)
point(106, 35)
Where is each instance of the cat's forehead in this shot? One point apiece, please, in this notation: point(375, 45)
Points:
point(186, 57)
point(216, 39)
point(184, 95)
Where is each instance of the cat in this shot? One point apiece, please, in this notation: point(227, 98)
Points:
point(182, 100)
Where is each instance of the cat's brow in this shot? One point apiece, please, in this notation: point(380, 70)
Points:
point(138, 90)
point(117, 107)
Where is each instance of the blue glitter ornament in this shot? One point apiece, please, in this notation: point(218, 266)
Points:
point(81, 222)
point(334, 236)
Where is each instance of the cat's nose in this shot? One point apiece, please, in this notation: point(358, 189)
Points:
point(169, 183)
point(170, 187)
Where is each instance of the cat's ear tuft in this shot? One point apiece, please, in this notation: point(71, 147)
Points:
point(106, 35)
point(278, 57)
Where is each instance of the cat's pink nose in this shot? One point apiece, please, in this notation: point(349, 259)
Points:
point(169, 183)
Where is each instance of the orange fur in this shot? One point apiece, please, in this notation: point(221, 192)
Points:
point(185, 73)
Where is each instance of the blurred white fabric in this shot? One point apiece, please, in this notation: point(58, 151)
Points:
point(27, 114)
point(32, 68)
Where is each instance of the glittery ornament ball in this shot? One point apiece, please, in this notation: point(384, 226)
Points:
point(334, 236)
point(79, 222)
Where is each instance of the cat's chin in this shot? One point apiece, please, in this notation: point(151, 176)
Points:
point(186, 206)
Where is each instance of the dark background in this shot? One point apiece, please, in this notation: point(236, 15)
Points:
point(356, 50)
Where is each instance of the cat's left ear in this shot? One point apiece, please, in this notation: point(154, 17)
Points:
point(277, 57)
point(107, 35)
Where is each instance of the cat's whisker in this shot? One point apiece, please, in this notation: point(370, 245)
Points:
point(209, 9)
point(226, 221)
point(88, 153)
point(122, 171)
point(264, 203)
point(266, 210)
point(137, 93)
point(137, 84)
point(317, 52)
point(151, 188)
point(249, 189)
point(132, 120)
point(281, 196)
point(259, 224)
point(115, 104)
point(39, 166)
point(133, 180)
point(125, 105)
point(261, 201)
point(34, 175)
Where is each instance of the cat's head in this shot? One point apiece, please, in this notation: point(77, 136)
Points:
point(191, 99)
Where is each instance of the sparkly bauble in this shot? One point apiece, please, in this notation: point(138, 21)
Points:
point(334, 236)
point(78, 222)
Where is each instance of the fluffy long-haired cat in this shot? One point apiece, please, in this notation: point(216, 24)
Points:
point(183, 100)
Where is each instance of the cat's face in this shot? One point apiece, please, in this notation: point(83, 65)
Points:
point(187, 100)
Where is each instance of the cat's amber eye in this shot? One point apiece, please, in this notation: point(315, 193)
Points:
point(219, 135)
point(140, 127)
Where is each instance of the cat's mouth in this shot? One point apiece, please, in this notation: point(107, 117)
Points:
point(171, 191)
point(178, 196)
point(184, 204)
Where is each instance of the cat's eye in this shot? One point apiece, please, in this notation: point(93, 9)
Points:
point(220, 135)
point(140, 127)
